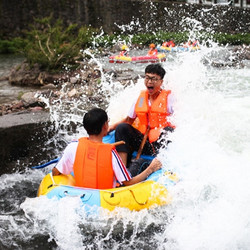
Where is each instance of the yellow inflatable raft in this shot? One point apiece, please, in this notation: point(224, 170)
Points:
point(149, 193)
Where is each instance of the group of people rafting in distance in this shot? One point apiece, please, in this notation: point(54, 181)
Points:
point(153, 49)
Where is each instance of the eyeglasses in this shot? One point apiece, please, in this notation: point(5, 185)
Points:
point(152, 79)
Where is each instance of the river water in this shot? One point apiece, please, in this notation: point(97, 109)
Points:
point(210, 152)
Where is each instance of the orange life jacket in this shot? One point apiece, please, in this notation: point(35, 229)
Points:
point(93, 164)
point(168, 44)
point(123, 53)
point(152, 52)
point(155, 116)
point(172, 44)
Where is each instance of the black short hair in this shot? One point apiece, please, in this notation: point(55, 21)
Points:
point(94, 120)
point(155, 69)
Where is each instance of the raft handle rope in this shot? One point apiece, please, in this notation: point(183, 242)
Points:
point(46, 164)
point(53, 181)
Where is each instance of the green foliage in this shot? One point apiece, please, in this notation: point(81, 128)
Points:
point(52, 46)
point(143, 39)
point(11, 47)
point(109, 40)
point(232, 39)
point(159, 37)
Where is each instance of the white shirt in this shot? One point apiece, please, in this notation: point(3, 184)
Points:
point(65, 164)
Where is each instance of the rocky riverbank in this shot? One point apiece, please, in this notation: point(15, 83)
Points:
point(86, 79)
point(67, 85)
point(26, 123)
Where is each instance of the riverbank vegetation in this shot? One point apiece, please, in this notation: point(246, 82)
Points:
point(54, 47)
point(144, 39)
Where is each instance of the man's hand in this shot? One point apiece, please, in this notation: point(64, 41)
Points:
point(154, 166)
point(55, 171)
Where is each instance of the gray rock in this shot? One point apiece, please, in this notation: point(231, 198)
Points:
point(23, 118)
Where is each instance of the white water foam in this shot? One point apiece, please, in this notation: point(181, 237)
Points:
point(210, 151)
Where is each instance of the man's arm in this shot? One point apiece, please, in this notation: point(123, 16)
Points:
point(128, 120)
point(154, 166)
point(65, 164)
point(171, 102)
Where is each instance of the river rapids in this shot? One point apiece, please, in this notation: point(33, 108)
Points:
point(210, 152)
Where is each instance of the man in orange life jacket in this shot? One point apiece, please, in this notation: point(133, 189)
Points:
point(153, 51)
point(124, 50)
point(169, 43)
point(152, 108)
point(95, 164)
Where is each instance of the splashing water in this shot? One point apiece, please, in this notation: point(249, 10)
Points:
point(210, 151)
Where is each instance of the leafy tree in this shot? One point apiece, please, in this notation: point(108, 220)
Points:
point(52, 46)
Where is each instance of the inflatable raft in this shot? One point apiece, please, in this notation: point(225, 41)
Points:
point(149, 193)
point(177, 49)
point(161, 57)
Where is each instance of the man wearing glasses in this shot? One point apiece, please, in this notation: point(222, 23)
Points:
point(151, 110)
